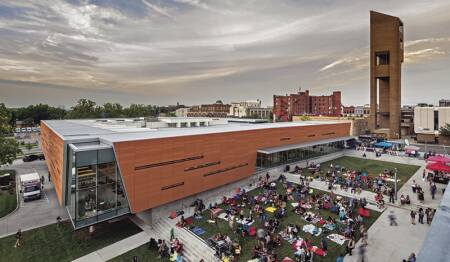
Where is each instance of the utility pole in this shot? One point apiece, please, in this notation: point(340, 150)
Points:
point(395, 183)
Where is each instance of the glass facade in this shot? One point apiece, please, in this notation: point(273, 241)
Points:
point(96, 189)
point(298, 154)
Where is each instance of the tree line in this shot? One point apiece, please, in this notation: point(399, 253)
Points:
point(83, 109)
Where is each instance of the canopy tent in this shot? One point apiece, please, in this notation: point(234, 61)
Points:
point(411, 148)
point(437, 166)
point(383, 144)
point(439, 159)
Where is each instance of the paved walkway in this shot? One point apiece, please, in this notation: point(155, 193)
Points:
point(116, 249)
point(35, 213)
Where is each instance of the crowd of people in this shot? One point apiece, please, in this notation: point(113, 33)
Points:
point(277, 198)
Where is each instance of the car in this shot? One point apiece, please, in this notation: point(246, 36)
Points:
point(34, 129)
point(28, 129)
point(41, 157)
point(30, 158)
point(23, 129)
point(17, 130)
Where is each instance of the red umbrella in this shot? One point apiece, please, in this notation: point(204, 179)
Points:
point(438, 166)
point(439, 159)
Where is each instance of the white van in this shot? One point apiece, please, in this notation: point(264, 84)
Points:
point(30, 186)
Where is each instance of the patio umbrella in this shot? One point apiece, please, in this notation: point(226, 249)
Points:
point(383, 144)
point(439, 159)
point(437, 166)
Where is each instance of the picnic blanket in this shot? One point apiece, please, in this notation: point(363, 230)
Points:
point(216, 211)
point(312, 229)
point(245, 222)
point(270, 209)
point(286, 237)
point(314, 219)
point(339, 239)
point(223, 216)
point(314, 249)
point(305, 206)
point(198, 230)
point(330, 227)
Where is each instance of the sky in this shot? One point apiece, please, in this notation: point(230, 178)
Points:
point(198, 51)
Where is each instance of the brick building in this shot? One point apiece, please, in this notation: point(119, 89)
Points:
point(218, 109)
point(284, 107)
point(348, 110)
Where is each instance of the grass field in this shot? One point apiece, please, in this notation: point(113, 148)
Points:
point(8, 199)
point(373, 167)
point(247, 243)
point(61, 243)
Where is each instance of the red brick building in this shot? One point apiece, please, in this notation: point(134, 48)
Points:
point(284, 107)
point(217, 109)
point(348, 110)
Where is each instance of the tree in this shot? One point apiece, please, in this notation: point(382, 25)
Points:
point(305, 118)
point(9, 149)
point(33, 114)
point(112, 110)
point(84, 109)
point(445, 130)
point(138, 110)
point(5, 119)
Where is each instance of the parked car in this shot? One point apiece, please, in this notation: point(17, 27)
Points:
point(23, 129)
point(30, 158)
point(29, 129)
point(17, 130)
point(34, 129)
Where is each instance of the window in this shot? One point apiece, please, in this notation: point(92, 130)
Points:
point(382, 58)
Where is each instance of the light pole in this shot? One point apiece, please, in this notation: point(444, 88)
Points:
point(395, 183)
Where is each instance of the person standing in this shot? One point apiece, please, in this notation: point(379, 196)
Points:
point(413, 217)
point(391, 195)
point(18, 238)
point(433, 189)
point(172, 234)
point(350, 246)
point(428, 215)
point(324, 244)
point(362, 253)
point(421, 214)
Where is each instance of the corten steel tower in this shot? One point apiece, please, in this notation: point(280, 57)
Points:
point(386, 57)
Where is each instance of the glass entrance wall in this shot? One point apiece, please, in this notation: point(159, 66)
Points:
point(96, 187)
point(264, 161)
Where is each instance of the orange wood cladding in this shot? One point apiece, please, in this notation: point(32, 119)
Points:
point(236, 152)
point(53, 147)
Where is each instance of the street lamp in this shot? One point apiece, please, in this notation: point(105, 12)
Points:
point(395, 183)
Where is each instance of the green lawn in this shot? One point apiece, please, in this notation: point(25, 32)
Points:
point(8, 198)
point(247, 243)
point(143, 253)
point(373, 167)
point(61, 243)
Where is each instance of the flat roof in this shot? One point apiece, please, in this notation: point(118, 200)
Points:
point(85, 129)
point(277, 149)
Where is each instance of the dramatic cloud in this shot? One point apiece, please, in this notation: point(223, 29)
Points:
point(198, 51)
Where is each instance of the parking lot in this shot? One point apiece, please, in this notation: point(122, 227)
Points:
point(35, 213)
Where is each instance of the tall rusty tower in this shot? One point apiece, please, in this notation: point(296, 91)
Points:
point(386, 58)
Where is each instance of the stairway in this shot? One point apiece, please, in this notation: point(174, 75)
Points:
point(194, 248)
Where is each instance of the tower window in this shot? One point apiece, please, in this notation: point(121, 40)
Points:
point(382, 58)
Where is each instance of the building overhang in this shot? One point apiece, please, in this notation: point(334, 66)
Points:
point(277, 149)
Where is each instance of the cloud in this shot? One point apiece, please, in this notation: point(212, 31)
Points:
point(157, 9)
point(208, 46)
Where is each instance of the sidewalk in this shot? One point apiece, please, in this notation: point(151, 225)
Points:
point(116, 249)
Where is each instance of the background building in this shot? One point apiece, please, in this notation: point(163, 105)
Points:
point(407, 121)
point(348, 110)
point(250, 109)
point(218, 109)
point(284, 107)
point(182, 112)
point(386, 57)
point(444, 103)
point(428, 121)
point(362, 111)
